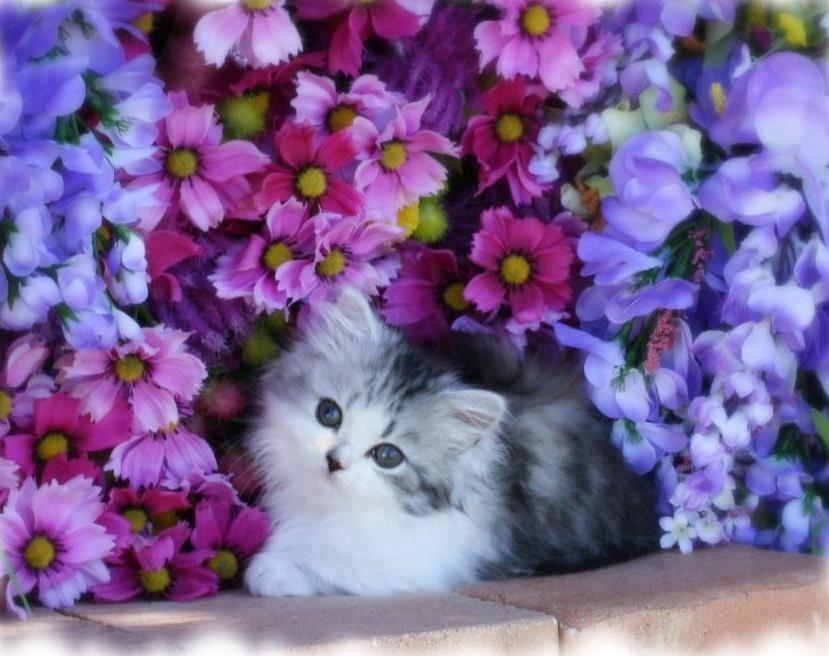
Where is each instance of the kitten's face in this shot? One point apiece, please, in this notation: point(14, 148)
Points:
point(354, 414)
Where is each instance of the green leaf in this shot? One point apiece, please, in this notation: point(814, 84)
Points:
point(726, 231)
point(822, 426)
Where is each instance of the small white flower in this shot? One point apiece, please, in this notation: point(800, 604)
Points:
point(678, 530)
point(544, 167)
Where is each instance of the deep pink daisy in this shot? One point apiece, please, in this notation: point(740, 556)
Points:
point(148, 511)
point(24, 359)
point(527, 265)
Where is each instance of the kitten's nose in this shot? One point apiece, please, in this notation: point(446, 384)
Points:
point(333, 463)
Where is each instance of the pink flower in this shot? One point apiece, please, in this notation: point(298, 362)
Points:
point(430, 287)
point(152, 375)
point(318, 103)
point(261, 30)
point(233, 532)
point(398, 169)
point(8, 479)
point(534, 38)
point(308, 172)
point(253, 271)
point(161, 569)
point(165, 249)
point(171, 454)
point(62, 430)
point(197, 172)
point(53, 544)
point(349, 251)
point(24, 358)
point(502, 139)
point(527, 264)
point(222, 399)
point(147, 511)
point(357, 20)
point(599, 69)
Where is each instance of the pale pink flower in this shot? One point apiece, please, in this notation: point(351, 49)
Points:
point(24, 359)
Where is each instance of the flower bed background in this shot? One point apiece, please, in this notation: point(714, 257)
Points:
point(647, 183)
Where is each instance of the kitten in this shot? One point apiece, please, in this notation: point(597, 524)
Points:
point(388, 469)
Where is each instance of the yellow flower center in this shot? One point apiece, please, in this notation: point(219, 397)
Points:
point(154, 581)
point(311, 182)
point(453, 297)
point(39, 553)
point(243, 116)
point(259, 348)
point(433, 224)
point(793, 28)
point(408, 217)
point(515, 269)
point(52, 444)
point(137, 519)
point(509, 128)
point(164, 520)
point(6, 405)
point(341, 117)
point(256, 5)
point(224, 563)
point(276, 255)
point(130, 368)
point(333, 264)
point(394, 155)
point(535, 21)
point(145, 22)
point(718, 97)
point(182, 162)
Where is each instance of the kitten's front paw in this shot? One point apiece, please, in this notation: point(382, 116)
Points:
point(273, 575)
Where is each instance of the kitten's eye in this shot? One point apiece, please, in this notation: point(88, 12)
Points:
point(329, 414)
point(387, 456)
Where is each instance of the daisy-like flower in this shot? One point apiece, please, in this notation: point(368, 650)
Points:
point(349, 251)
point(152, 375)
point(54, 546)
point(24, 358)
point(678, 530)
point(161, 570)
point(261, 30)
point(149, 510)
point(8, 478)
point(357, 21)
point(534, 38)
point(308, 172)
point(197, 173)
point(527, 264)
point(317, 102)
point(429, 289)
point(398, 169)
point(171, 454)
point(253, 272)
point(502, 139)
point(61, 430)
point(234, 533)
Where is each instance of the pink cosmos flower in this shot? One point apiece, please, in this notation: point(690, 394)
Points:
point(169, 454)
point(165, 249)
point(261, 30)
point(502, 139)
point(527, 263)
point(197, 172)
point(599, 60)
point(233, 532)
point(161, 569)
point(152, 375)
point(318, 103)
point(8, 479)
point(214, 486)
point(308, 172)
point(61, 429)
point(349, 251)
point(429, 288)
point(53, 544)
point(356, 21)
point(24, 358)
point(398, 169)
point(253, 272)
point(147, 511)
point(535, 38)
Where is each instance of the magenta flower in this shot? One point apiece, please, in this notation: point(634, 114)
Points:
point(147, 511)
point(502, 139)
point(318, 103)
point(398, 169)
point(349, 251)
point(165, 249)
point(24, 358)
point(527, 263)
point(356, 22)
point(169, 454)
point(198, 173)
point(308, 172)
point(253, 272)
point(62, 430)
point(161, 569)
point(152, 375)
point(233, 532)
point(261, 30)
point(54, 547)
point(535, 38)
point(430, 287)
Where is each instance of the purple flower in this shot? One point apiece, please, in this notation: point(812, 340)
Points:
point(644, 442)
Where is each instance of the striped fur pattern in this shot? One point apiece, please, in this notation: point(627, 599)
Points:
point(507, 470)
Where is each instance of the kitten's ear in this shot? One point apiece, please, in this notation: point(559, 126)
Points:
point(352, 314)
point(479, 411)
